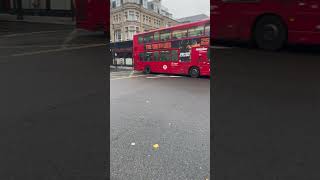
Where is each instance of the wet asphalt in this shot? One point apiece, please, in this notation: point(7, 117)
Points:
point(53, 103)
point(171, 111)
point(265, 113)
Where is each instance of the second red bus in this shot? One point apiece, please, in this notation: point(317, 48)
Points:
point(270, 24)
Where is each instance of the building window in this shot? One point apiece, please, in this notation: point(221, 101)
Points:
point(125, 15)
point(117, 35)
point(131, 32)
point(118, 3)
point(132, 17)
point(138, 16)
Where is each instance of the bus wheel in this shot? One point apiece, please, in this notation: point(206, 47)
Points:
point(270, 33)
point(194, 72)
point(147, 70)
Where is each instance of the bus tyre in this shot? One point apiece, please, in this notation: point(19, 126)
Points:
point(270, 33)
point(147, 70)
point(194, 72)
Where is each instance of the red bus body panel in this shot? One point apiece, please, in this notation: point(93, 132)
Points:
point(236, 20)
point(198, 54)
point(92, 15)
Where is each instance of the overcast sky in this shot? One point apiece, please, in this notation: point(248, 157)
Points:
point(184, 8)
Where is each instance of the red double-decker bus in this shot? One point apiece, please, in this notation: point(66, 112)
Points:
point(181, 49)
point(270, 24)
point(92, 15)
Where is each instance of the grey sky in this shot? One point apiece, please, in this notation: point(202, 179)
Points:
point(184, 8)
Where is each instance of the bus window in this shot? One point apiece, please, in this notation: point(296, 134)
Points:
point(196, 31)
point(156, 56)
point(148, 38)
point(140, 39)
point(207, 30)
point(156, 36)
point(174, 54)
point(148, 56)
point(178, 34)
point(165, 36)
point(185, 56)
point(141, 56)
point(165, 56)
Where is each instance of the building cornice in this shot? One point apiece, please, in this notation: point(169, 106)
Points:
point(138, 7)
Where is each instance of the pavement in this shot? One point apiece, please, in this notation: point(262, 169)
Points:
point(53, 102)
point(165, 110)
point(266, 113)
point(38, 19)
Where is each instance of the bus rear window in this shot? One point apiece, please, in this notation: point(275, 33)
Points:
point(196, 31)
point(140, 39)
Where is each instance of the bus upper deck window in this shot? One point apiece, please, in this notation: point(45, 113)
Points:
point(165, 36)
point(178, 34)
point(156, 36)
point(207, 30)
point(148, 38)
point(197, 31)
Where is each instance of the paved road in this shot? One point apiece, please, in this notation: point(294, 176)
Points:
point(53, 103)
point(266, 113)
point(171, 111)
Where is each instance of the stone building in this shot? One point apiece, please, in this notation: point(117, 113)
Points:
point(128, 17)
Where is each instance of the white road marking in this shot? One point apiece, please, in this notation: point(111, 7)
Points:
point(127, 77)
point(69, 38)
point(57, 50)
point(153, 77)
point(30, 33)
point(131, 73)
